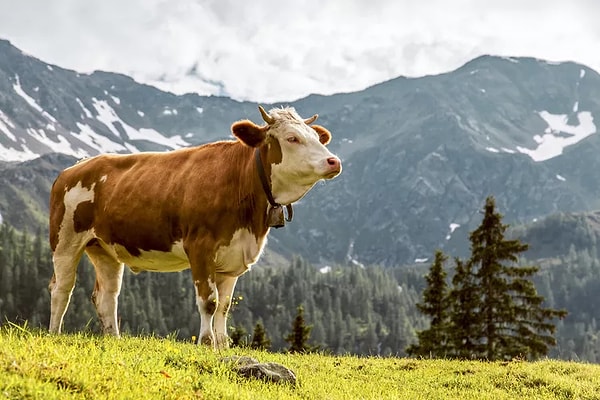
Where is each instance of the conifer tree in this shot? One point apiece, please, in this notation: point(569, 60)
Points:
point(238, 336)
point(298, 338)
point(433, 342)
point(464, 303)
point(260, 340)
point(513, 322)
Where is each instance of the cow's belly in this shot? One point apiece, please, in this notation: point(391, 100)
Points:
point(240, 253)
point(157, 261)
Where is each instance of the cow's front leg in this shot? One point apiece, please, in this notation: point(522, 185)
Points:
point(203, 275)
point(225, 286)
point(206, 300)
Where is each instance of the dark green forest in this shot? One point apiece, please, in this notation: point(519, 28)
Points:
point(365, 311)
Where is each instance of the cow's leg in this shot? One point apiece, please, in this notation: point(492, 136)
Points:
point(109, 275)
point(62, 284)
point(206, 300)
point(225, 286)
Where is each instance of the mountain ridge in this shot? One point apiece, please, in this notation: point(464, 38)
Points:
point(420, 154)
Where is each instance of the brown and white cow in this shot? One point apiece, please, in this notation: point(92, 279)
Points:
point(203, 208)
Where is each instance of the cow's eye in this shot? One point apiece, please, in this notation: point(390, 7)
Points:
point(293, 139)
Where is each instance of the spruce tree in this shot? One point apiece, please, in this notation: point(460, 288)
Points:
point(433, 342)
point(464, 303)
point(260, 341)
point(238, 336)
point(513, 322)
point(298, 338)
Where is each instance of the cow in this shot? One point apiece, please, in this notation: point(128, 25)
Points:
point(208, 208)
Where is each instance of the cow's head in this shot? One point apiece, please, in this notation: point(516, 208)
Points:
point(296, 150)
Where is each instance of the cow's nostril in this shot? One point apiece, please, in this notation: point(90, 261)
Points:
point(333, 161)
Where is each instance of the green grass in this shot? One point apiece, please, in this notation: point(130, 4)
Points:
point(37, 365)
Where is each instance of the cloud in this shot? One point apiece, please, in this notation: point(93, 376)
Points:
point(266, 51)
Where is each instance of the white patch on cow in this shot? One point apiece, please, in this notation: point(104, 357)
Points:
point(67, 237)
point(239, 254)
point(103, 178)
point(153, 260)
point(206, 325)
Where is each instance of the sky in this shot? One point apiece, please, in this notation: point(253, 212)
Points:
point(276, 51)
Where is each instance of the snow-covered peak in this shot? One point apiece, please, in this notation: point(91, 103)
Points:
point(26, 143)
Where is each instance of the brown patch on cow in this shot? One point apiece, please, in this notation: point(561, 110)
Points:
point(274, 153)
point(57, 213)
point(83, 218)
point(249, 133)
point(324, 134)
point(210, 306)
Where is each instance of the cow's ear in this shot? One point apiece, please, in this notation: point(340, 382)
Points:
point(324, 134)
point(249, 133)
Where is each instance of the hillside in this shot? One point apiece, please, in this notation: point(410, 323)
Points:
point(58, 367)
point(420, 155)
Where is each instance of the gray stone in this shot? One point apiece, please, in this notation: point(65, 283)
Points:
point(269, 372)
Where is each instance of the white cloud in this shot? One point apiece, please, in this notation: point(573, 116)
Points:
point(267, 51)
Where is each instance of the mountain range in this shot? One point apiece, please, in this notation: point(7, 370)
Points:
point(420, 154)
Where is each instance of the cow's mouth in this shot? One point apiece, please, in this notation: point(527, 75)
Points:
point(332, 174)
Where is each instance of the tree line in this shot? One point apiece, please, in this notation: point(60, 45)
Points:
point(349, 309)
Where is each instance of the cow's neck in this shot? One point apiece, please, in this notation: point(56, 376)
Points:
point(275, 214)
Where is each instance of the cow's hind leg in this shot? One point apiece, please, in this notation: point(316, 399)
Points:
point(109, 275)
point(225, 286)
point(62, 284)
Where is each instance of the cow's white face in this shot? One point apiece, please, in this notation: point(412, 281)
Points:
point(304, 161)
point(300, 158)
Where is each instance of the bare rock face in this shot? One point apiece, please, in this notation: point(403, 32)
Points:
point(249, 367)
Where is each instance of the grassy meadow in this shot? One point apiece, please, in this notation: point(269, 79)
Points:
point(37, 365)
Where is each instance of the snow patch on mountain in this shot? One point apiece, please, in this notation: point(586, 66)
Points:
point(101, 143)
point(453, 226)
point(16, 155)
point(325, 270)
point(4, 124)
point(559, 134)
point(108, 116)
point(60, 146)
point(84, 108)
point(30, 100)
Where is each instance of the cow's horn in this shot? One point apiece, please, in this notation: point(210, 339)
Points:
point(311, 119)
point(268, 119)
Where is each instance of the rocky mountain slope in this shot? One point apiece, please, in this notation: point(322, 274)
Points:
point(420, 155)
